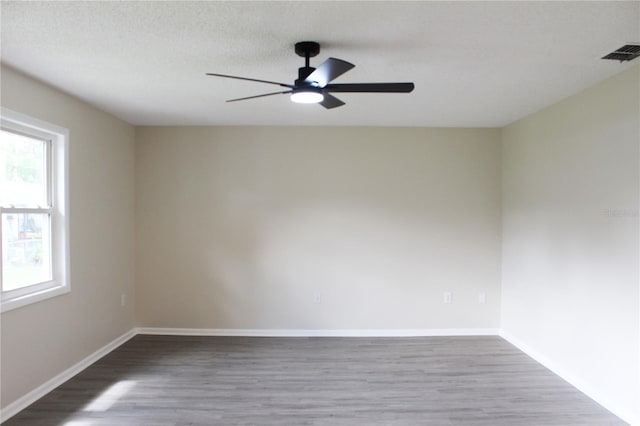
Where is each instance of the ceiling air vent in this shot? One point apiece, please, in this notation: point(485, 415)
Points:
point(627, 52)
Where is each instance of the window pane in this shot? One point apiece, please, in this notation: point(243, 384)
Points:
point(23, 173)
point(26, 249)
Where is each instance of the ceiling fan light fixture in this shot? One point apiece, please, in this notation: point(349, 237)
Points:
point(307, 96)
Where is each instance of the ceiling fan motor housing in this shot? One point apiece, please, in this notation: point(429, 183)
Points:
point(303, 73)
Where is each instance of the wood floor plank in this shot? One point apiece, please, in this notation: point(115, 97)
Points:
point(197, 381)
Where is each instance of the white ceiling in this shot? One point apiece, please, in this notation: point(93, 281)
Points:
point(473, 63)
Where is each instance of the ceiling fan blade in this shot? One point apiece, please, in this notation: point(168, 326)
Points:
point(370, 87)
point(327, 71)
point(331, 101)
point(252, 79)
point(260, 96)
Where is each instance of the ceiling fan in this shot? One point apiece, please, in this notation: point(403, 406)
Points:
point(314, 84)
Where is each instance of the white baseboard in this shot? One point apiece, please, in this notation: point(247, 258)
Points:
point(576, 382)
point(23, 402)
point(260, 332)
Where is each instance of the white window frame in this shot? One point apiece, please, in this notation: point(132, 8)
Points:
point(57, 164)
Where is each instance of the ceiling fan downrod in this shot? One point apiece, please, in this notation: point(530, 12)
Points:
point(306, 49)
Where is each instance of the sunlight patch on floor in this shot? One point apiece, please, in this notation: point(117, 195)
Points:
point(110, 396)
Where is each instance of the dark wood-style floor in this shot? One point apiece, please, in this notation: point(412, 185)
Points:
point(169, 380)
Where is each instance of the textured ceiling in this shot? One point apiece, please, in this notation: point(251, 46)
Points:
point(473, 63)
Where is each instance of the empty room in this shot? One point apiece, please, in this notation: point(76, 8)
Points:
point(320, 212)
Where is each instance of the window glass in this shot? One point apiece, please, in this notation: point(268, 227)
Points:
point(26, 250)
point(23, 171)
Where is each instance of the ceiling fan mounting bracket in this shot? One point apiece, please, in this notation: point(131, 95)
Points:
point(307, 49)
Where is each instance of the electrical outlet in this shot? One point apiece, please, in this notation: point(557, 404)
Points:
point(317, 297)
point(447, 297)
point(123, 300)
point(482, 298)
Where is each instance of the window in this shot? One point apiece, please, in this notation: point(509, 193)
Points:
point(33, 209)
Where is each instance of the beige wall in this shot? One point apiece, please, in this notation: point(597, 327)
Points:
point(570, 239)
point(41, 340)
point(242, 227)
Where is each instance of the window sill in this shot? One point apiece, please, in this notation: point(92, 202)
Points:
point(17, 301)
